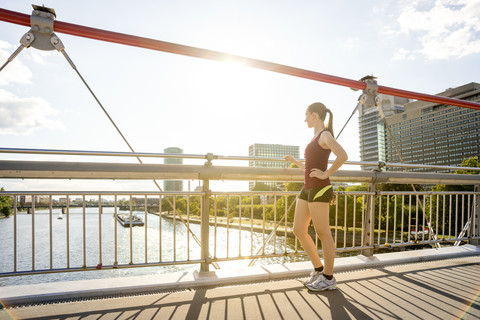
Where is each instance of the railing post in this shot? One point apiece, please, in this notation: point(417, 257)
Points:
point(476, 216)
point(204, 226)
point(369, 218)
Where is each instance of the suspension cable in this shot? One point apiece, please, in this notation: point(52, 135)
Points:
point(354, 110)
point(99, 103)
point(13, 56)
point(432, 232)
point(29, 38)
point(130, 147)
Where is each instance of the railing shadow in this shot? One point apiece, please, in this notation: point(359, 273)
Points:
point(397, 292)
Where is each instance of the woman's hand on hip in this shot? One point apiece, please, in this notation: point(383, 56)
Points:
point(319, 174)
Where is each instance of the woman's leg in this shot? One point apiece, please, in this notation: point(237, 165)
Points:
point(300, 229)
point(319, 212)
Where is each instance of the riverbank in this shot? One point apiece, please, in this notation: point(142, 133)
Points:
point(247, 224)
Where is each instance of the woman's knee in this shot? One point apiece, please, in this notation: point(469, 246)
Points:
point(325, 236)
point(299, 231)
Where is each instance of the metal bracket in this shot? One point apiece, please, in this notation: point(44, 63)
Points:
point(381, 164)
point(209, 157)
point(41, 35)
point(370, 96)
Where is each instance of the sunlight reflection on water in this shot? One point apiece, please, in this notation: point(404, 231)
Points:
point(138, 253)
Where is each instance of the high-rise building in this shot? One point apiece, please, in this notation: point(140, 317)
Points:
point(372, 128)
point(173, 185)
point(437, 134)
point(271, 151)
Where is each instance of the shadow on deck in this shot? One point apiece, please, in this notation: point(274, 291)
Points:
point(435, 289)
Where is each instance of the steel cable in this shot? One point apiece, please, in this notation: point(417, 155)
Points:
point(130, 147)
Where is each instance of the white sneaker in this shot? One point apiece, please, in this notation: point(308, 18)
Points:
point(314, 275)
point(322, 284)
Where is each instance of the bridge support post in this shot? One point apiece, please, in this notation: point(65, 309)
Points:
point(475, 225)
point(204, 227)
point(369, 218)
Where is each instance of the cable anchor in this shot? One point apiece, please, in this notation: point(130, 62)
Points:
point(41, 35)
point(370, 96)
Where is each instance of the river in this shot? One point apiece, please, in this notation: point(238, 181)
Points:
point(75, 245)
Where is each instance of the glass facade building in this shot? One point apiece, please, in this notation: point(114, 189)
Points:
point(436, 134)
point(271, 151)
point(173, 185)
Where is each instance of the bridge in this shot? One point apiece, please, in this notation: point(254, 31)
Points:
point(374, 230)
point(390, 286)
point(401, 254)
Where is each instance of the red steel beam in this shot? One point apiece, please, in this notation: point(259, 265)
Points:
point(152, 44)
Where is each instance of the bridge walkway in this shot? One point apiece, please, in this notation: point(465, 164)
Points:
point(436, 289)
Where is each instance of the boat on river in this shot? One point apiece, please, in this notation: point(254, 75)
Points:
point(124, 220)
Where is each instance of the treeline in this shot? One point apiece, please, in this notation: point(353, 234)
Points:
point(447, 213)
point(6, 204)
point(258, 207)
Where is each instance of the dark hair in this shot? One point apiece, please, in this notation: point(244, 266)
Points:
point(320, 109)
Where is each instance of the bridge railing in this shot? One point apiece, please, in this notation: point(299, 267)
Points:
point(209, 227)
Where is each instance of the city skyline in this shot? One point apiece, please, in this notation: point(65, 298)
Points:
point(159, 99)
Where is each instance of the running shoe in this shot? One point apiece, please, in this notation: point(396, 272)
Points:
point(322, 284)
point(314, 275)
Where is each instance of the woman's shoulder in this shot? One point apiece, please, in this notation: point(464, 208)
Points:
point(324, 138)
point(325, 135)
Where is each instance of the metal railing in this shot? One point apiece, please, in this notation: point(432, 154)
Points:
point(212, 227)
point(210, 157)
point(366, 220)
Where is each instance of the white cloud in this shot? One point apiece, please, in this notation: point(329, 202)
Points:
point(403, 54)
point(37, 56)
point(445, 28)
point(15, 71)
point(22, 116)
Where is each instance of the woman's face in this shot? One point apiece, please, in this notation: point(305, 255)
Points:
point(309, 118)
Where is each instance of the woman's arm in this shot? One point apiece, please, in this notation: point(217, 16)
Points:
point(327, 140)
point(299, 164)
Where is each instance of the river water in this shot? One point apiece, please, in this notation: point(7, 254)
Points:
point(75, 252)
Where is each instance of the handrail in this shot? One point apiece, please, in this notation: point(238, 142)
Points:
point(13, 169)
point(152, 44)
point(212, 157)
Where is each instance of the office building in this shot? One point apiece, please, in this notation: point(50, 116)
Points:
point(436, 134)
point(271, 151)
point(173, 185)
point(372, 128)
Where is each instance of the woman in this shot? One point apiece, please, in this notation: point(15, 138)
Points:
point(314, 199)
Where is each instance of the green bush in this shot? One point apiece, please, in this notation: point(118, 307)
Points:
point(6, 203)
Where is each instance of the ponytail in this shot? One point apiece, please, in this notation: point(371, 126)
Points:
point(329, 125)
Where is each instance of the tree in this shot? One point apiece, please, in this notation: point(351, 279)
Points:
point(6, 203)
point(293, 186)
point(472, 162)
point(261, 186)
point(456, 203)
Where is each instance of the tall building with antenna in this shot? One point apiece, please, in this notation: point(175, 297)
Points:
point(372, 128)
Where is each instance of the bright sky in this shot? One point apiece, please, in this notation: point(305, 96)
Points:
point(161, 100)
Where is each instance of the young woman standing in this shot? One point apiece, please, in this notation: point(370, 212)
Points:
point(314, 199)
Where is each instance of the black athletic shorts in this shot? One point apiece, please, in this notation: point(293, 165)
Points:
point(317, 194)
